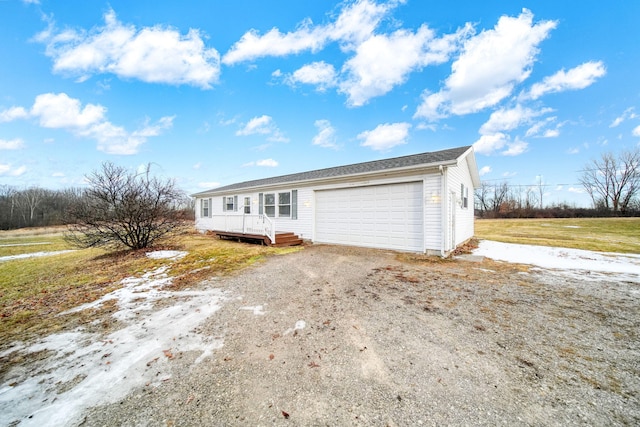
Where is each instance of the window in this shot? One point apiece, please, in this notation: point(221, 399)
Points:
point(205, 208)
point(230, 203)
point(247, 205)
point(284, 204)
point(464, 194)
point(270, 204)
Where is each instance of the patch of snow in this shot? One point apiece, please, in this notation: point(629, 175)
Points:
point(258, 310)
point(25, 244)
point(300, 325)
point(33, 255)
point(173, 255)
point(86, 369)
point(571, 262)
point(572, 226)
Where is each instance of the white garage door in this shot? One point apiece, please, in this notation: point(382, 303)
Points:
point(381, 216)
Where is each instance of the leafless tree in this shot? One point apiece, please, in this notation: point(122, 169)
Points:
point(125, 209)
point(491, 197)
point(613, 180)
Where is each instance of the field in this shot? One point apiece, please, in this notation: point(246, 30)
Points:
point(596, 234)
point(34, 290)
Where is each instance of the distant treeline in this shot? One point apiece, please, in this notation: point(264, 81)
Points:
point(39, 207)
point(504, 201)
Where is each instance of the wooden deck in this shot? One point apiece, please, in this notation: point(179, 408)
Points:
point(282, 238)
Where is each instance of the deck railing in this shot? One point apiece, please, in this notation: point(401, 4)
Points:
point(245, 224)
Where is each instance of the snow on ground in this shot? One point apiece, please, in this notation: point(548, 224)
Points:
point(32, 255)
point(83, 369)
point(587, 265)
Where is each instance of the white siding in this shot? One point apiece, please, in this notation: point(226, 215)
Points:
point(463, 216)
point(433, 213)
point(303, 226)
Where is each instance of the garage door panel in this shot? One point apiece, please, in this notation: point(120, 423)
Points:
point(386, 216)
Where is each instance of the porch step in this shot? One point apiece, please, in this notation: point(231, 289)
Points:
point(287, 239)
point(282, 238)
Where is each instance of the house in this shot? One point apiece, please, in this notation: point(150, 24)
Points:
point(419, 203)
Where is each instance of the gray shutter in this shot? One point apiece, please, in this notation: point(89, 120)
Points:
point(260, 204)
point(235, 203)
point(294, 204)
point(201, 208)
point(224, 203)
point(210, 207)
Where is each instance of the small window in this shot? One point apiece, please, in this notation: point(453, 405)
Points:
point(464, 193)
point(247, 205)
point(270, 204)
point(284, 204)
point(230, 203)
point(204, 208)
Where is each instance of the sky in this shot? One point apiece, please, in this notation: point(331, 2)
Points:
point(212, 93)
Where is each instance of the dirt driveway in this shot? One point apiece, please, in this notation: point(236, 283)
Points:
point(343, 336)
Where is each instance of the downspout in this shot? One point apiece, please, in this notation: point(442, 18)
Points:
point(445, 200)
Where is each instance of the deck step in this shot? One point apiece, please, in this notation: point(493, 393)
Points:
point(283, 239)
point(287, 239)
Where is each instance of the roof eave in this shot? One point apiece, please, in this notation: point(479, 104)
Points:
point(383, 172)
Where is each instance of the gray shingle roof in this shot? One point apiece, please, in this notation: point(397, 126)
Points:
point(432, 158)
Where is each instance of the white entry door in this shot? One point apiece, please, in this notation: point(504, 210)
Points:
point(381, 216)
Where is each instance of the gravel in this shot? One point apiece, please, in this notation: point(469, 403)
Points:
point(347, 336)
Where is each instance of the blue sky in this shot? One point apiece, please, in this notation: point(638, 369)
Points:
point(211, 93)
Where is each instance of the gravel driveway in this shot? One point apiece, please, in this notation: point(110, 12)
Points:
point(345, 336)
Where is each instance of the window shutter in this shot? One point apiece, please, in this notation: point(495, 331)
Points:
point(235, 203)
point(201, 208)
point(294, 204)
point(210, 207)
point(260, 204)
point(224, 203)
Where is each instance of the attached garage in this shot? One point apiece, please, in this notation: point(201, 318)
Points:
point(383, 216)
point(418, 203)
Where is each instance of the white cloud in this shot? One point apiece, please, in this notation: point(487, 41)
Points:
point(210, 184)
point(59, 111)
point(265, 163)
point(326, 136)
point(320, 74)
point(484, 170)
point(197, 166)
point(510, 119)
point(539, 127)
point(9, 170)
point(576, 78)
point(515, 148)
point(487, 144)
point(12, 144)
point(151, 54)
point(551, 133)
point(576, 190)
point(58, 175)
point(629, 113)
point(385, 136)
point(402, 52)
point(263, 125)
point(356, 23)
point(489, 67)
point(636, 131)
point(13, 113)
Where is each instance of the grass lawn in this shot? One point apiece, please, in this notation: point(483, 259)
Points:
point(34, 290)
point(597, 234)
